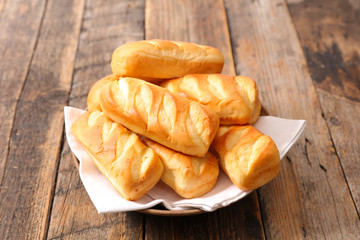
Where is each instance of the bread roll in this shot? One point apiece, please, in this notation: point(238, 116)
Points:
point(234, 99)
point(154, 112)
point(131, 167)
point(249, 157)
point(189, 176)
point(162, 59)
point(93, 100)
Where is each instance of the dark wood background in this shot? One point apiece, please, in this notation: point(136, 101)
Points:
point(303, 54)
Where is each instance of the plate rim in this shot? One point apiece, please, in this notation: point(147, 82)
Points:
point(174, 213)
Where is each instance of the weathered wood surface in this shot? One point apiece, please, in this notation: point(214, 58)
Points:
point(106, 25)
point(311, 184)
point(239, 221)
point(329, 33)
point(303, 54)
point(17, 43)
point(202, 22)
point(36, 137)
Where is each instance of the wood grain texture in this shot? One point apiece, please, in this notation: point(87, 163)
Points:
point(28, 182)
point(202, 22)
point(329, 33)
point(331, 45)
point(238, 221)
point(106, 25)
point(17, 43)
point(345, 134)
point(320, 199)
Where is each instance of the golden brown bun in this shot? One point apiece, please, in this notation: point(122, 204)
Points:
point(234, 99)
point(249, 158)
point(163, 59)
point(131, 167)
point(93, 100)
point(189, 176)
point(165, 117)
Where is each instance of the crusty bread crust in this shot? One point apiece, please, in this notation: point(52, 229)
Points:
point(154, 112)
point(234, 98)
point(249, 158)
point(163, 59)
point(131, 167)
point(189, 176)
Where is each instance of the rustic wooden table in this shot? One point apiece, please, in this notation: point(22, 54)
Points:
point(304, 55)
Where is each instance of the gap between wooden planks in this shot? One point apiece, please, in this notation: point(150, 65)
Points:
point(329, 33)
point(14, 70)
point(36, 137)
point(89, 72)
point(106, 25)
point(202, 22)
point(246, 220)
point(304, 200)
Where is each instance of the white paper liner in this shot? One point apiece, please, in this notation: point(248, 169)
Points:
point(284, 132)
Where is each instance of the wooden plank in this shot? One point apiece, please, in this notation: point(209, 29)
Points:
point(202, 22)
point(106, 25)
point(17, 43)
point(345, 136)
point(329, 33)
point(310, 197)
point(183, 21)
point(238, 221)
point(28, 181)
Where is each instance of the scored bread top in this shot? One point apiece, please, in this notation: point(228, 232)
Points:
point(154, 112)
point(234, 98)
point(93, 99)
point(189, 176)
point(163, 59)
point(249, 158)
point(130, 166)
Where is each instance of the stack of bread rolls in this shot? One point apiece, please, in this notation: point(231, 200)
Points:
point(166, 113)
